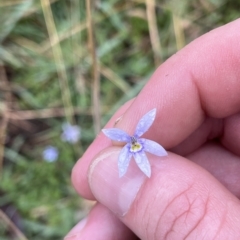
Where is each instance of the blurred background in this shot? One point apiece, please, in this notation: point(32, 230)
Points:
point(65, 67)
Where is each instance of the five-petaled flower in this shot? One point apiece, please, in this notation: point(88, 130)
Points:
point(136, 146)
point(71, 133)
point(50, 154)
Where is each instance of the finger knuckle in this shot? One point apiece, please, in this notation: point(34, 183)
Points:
point(190, 212)
point(183, 217)
point(188, 215)
point(185, 213)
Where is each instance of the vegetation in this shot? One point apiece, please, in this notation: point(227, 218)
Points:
point(75, 62)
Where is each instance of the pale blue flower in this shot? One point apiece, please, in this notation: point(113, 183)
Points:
point(71, 133)
point(50, 154)
point(136, 146)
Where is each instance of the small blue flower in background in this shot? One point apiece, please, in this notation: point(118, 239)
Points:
point(50, 154)
point(136, 147)
point(71, 133)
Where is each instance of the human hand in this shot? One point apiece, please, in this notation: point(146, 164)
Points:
point(194, 192)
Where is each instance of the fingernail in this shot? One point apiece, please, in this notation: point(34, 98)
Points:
point(115, 193)
point(75, 233)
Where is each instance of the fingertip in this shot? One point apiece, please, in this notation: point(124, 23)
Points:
point(79, 174)
point(109, 186)
point(75, 232)
point(78, 178)
point(100, 224)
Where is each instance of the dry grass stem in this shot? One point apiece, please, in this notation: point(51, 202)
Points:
point(178, 31)
point(28, 44)
point(5, 118)
point(207, 5)
point(62, 36)
point(79, 27)
point(50, 113)
point(139, 13)
point(95, 70)
point(114, 78)
point(58, 57)
point(11, 3)
point(153, 32)
point(80, 81)
point(11, 226)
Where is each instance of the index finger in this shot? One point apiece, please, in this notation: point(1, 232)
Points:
point(200, 80)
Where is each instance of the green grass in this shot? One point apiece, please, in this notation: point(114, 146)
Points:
point(47, 78)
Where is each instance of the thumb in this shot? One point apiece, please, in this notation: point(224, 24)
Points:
point(180, 200)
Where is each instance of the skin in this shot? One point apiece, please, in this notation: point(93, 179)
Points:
point(194, 192)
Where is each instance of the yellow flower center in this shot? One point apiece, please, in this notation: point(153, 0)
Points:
point(135, 146)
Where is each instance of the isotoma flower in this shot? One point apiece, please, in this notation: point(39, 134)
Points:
point(71, 133)
point(136, 146)
point(50, 154)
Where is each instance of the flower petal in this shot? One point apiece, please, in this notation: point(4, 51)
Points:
point(153, 147)
point(145, 123)
point(143, 163)
point(116, 134)
point(124, 160)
